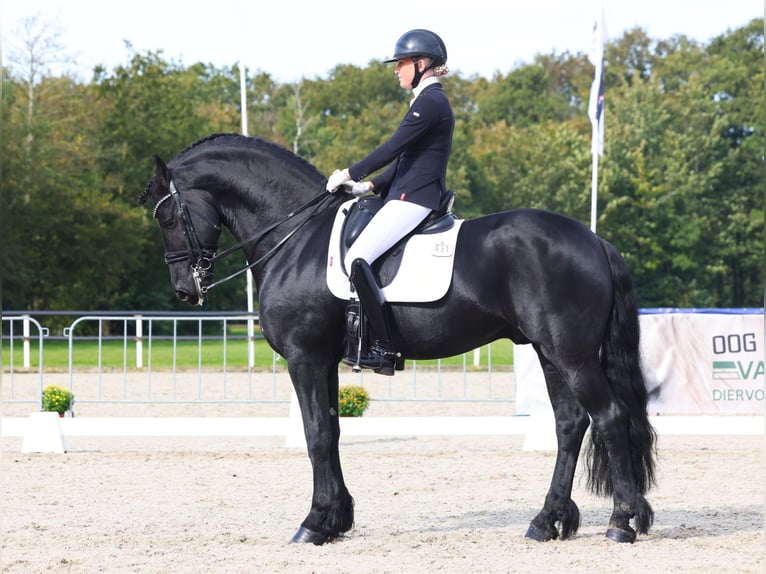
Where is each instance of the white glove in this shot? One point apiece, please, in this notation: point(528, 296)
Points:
point(338, 178)
point(358, 187)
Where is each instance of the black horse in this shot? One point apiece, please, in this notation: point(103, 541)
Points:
point(532, 276)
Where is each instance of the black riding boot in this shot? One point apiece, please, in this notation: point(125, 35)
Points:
point(381, 356)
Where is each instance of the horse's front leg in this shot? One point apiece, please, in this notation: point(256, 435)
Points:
point(332, 508)
point(571, 423)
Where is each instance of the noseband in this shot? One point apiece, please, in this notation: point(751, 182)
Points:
point(203, 257)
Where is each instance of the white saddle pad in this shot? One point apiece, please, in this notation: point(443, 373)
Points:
point(425, 272)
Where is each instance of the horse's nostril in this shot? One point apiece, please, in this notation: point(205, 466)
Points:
point(182, 296)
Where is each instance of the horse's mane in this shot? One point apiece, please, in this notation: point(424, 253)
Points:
point(273, 149)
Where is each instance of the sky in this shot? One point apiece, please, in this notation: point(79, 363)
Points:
point(291, 39)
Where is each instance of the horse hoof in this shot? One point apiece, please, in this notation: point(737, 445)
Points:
point(306, 536)
point(621, 535)
point(539, 534)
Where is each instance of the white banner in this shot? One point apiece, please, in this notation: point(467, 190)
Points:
point(694, 362)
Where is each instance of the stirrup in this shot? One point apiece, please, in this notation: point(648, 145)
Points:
point(380, 359)
point(353, 356)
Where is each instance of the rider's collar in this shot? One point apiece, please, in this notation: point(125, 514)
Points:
point(424, 83)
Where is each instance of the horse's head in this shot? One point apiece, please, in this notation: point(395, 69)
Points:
point(190, 227)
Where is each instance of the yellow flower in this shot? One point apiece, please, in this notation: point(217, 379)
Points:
point(57, 399)
point(353, 400)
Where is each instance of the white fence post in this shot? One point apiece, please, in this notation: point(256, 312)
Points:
point(139, 342)
point(25, 340)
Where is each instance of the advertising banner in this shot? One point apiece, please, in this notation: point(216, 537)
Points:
point(694, 361)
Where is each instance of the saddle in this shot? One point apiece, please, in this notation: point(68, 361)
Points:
point(362, 212)
point(417, 269)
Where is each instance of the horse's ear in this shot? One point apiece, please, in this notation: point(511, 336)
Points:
point(162, 172)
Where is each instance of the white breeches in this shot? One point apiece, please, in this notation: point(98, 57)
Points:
point(394, 220)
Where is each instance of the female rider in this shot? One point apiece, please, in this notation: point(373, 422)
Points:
point(412, 185)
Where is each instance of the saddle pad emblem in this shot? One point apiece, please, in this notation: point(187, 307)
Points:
point(442, 249)
point(425, 272)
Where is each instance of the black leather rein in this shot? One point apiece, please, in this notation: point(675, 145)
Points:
point(204, 257)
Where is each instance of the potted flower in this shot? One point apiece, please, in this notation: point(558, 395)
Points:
point(353, 400)
point(57, 400)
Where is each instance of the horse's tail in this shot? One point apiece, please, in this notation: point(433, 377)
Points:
point(620, 361)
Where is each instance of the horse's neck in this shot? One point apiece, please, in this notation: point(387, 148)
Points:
point(251, 196)
point(254, 188)
point(259, 203)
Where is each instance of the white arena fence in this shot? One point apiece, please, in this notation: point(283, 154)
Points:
point(201, 357)
point(18, 333)
point(143, 358)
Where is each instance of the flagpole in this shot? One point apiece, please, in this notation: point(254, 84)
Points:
point(249, 274)
point(596, 108)
point(594, 186)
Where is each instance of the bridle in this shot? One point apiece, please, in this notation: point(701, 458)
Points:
point(202, 257)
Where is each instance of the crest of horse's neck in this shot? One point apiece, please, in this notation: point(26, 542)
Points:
point(257, 207)
point(261, 190)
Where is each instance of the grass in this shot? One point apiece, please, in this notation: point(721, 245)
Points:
point(115, 354)
point(188, 354)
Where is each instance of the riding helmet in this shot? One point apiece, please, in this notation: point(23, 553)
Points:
point(422, 43)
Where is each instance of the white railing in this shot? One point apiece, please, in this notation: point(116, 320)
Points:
point(18, 330)
point(202, 357)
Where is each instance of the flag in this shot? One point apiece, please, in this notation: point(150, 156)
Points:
point(596, 103)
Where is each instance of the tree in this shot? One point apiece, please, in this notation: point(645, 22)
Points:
point(524, 97)
point(347, 116)
point(155, 107)
point(674, 199)
point(680, 181)
point(301, 121)
point(544, 167)
point(736, 83)
point(53, 229)
point(31, 54)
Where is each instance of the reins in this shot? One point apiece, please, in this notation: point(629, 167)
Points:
point(205, 258)
point(317, 201)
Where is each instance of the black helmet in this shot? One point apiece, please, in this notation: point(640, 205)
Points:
point(420, 43)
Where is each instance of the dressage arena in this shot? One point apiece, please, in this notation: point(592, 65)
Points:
point(423, 503)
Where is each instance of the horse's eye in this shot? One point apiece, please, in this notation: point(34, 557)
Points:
point(169, 223)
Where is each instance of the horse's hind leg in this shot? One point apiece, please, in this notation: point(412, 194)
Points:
point(571, 424)
point(611, 457)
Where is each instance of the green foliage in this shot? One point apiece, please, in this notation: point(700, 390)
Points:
point(353, 400)
point(524, 97)
point(679, 183)
point(57, 399)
